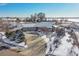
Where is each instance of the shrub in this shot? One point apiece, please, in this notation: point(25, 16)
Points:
point(16, 36)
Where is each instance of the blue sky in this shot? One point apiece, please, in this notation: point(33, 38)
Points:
point(50, 9)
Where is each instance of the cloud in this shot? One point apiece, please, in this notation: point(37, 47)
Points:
point(3, 4)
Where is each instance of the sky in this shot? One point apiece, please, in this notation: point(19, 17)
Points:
point(50, 9)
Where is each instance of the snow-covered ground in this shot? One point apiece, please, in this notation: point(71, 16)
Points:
point(64, 45)
point(74, 20)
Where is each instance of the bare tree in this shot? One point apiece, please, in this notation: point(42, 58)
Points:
point(41, 16)
point(18, 20)
point(37, 17)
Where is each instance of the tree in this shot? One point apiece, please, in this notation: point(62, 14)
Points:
point(34, 17)
point(18, 20)
point(41, 16)
point(27, 19)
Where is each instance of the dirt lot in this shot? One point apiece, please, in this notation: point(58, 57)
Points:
point(36, 47)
